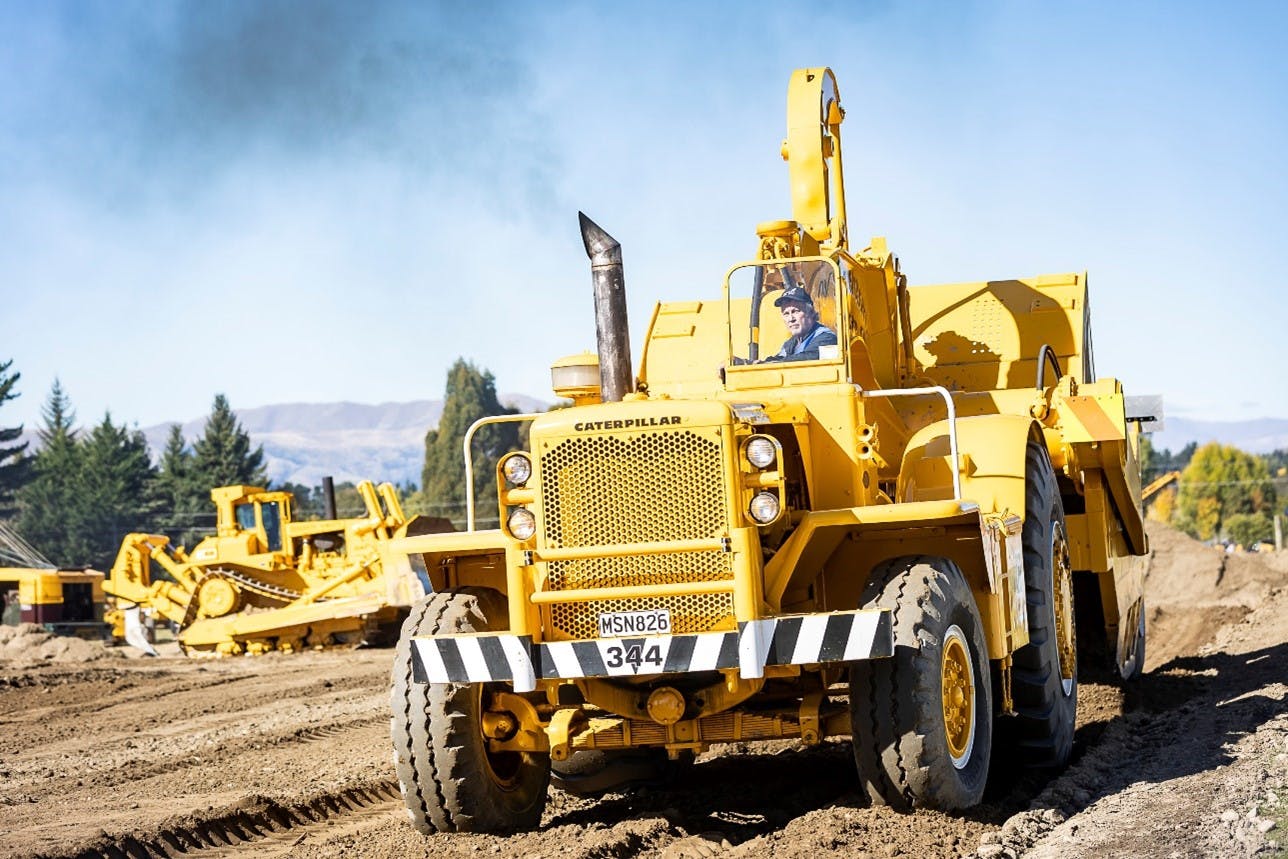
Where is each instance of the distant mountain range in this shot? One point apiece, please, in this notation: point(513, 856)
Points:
point(1261, 435)
point(304, 442)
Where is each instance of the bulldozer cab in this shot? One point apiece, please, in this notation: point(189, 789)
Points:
point(252, 519)
point(264, 518)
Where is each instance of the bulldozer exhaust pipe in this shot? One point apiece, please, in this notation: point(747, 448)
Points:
point(328, 499)
point(612, 335)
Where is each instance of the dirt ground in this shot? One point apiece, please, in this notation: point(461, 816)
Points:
point(103, 754)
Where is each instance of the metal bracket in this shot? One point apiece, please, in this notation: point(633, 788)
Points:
point(561, 730)
point(810, 705)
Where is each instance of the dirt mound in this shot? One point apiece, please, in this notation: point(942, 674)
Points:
point(1193, 590)
point(1182, 569)
point(28, 643)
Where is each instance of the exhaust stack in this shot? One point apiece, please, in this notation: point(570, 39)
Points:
point(612, 335)
point(328, 498)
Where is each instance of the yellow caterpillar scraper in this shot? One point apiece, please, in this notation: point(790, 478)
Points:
point(266, 582)
point(826, 504)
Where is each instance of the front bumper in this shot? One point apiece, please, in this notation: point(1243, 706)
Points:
point(805, 639)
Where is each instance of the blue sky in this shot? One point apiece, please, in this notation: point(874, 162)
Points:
point(314, 202)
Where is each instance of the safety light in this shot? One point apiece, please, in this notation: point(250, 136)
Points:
point(522, 523)
point(761, 451)
point(517, 469)
point(764, 507)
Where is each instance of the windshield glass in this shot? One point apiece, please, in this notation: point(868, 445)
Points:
point(272, 525)
point(783, 310)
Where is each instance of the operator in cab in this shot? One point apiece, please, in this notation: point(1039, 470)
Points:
point(801, 318)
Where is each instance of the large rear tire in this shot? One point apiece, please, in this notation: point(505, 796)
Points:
point(450, 781)
point(1044, 672)
point(922, 720)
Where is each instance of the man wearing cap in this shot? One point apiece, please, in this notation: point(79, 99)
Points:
point(807, 332)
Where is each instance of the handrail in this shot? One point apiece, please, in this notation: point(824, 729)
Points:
point(952, 422)
point(469, 459)
point(1047, 354)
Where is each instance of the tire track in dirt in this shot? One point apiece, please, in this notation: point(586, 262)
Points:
point(257, 826)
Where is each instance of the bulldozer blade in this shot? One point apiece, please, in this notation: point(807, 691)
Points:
point(134, 634)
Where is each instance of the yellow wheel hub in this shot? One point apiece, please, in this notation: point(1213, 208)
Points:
point(1062, 591)
point(958, 688)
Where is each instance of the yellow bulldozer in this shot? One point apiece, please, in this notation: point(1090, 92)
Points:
point(266, 581)
point(827, 504)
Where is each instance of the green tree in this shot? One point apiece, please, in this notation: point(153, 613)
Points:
point(52, 505)
point(1248, 529)
point(184, 509)
point(306, 505)
point(1155, 462)
point(1146, 457)
point(470, 395)
point(15, 467)
point(222, 456)
point(116, 477)
point(1221, 481)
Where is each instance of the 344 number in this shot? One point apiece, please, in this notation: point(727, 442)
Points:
point(634, 655)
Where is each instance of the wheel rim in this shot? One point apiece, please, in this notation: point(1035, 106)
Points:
point(958, 696)
point(1062, 606)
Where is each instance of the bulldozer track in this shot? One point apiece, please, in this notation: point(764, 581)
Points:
point(263, 588)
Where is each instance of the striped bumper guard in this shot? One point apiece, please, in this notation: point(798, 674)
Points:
point(846, 636)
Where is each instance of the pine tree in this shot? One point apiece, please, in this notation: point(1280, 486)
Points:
point(15, 466)
point(222, 456)
point(116, 476)
point(185, 512)
point(471, 394)
point(52, 505)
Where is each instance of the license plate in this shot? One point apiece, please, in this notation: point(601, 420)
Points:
point(614, 624)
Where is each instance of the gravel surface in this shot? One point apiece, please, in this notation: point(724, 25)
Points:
point(104, 754)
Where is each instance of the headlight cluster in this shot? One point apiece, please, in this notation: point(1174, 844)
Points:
point(516, 468)
point(761, 453)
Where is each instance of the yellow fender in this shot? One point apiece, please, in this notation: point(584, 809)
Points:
point(991, 461)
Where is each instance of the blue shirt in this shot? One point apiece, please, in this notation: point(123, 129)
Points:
point(805, 348)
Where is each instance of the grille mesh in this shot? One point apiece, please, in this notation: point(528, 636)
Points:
point(645, 487)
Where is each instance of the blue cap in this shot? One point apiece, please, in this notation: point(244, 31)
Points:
point(794, 293)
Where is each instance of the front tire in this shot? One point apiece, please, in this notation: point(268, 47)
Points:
point(450, 781)
point(922, 720)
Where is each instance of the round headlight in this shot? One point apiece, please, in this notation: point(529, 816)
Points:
point(517, 469)
point(522, 523)
point(764, 507)
point(761, 452)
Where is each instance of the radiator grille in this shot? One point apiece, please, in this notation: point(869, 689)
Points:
point(620, 490)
